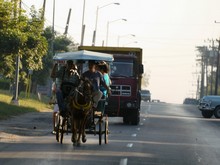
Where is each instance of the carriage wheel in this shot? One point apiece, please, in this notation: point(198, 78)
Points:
point(58, 128)
point(100, 131)
point(106, 130)
point(62, 130)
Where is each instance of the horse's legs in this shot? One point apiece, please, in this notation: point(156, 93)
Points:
point(80, 132)
point(83, 129)
point(74, 130)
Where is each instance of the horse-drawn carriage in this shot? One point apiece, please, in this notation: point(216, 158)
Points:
point(82, 118)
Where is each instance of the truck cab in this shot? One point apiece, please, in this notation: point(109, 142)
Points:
point(125, 73)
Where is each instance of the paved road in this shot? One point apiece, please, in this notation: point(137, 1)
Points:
point(168, 134)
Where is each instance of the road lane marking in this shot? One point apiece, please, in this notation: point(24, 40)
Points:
point(144, 119)
point(130, 145)
point(123, 161)
point(141, 123)
point(198, 157)
point(138, 129)
point(134, 135)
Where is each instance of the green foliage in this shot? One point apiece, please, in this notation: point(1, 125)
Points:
point(20, 35)
point(4, 84)
point(61, 44)
point(8, 110)
point(25, 36)
point(145, 80)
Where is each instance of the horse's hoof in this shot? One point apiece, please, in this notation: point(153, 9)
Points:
point(84, 139)
point(78, 144)
point(73, 140)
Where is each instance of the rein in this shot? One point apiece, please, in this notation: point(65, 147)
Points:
point(76, 104)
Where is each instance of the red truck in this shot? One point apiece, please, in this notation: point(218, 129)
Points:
point(126, 74)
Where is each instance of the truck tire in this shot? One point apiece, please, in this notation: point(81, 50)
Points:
point(132, 117)
point(136, 117)
point(207, 114)
point(217, 112)
point(125, 120)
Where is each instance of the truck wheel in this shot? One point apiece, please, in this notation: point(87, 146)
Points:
point(207, 114)
point(217, 112)
point(136, 117)
point(125, 120)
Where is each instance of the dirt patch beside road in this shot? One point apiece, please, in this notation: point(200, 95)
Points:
point(29, 124)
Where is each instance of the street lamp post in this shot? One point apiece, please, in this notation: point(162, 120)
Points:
point(107, 33)
point(135, 42)
point(96, 22)
point(124, 36)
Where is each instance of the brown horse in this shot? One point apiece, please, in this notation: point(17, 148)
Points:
point(80, 108)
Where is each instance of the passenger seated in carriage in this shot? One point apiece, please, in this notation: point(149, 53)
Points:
point(97, 80)
point(104, 69)
point(67, 78)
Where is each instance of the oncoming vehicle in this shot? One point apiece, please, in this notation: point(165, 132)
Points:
point(146, 95)
point(190, 101)
point(126, 73)
point(209, 106)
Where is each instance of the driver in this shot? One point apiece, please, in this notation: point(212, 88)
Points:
point(65, 75)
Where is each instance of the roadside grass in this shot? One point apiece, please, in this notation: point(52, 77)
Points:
point(31, 104)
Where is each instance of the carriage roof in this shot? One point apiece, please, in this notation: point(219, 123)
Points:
point(84, 55)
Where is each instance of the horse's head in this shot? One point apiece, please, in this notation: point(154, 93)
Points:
point(82, 98)
point(87, 87)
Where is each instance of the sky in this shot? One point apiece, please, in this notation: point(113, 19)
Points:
point(168, 31)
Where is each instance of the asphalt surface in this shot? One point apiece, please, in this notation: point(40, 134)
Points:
point(168, 134)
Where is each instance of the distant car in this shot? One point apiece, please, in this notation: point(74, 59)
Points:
point(190, 101)
point(210, 105)
point(156, 101)
point(146, 95)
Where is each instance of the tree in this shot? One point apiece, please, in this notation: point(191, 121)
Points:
point(20, 35)
point(61, 44)
point(145, 80)
point(25, 36)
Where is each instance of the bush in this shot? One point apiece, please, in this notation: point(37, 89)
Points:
point(4, 84)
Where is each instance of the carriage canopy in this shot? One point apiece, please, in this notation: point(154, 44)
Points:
point(84, 55)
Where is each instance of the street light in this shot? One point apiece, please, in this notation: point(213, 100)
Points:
point(96, 21)
point(135, 42)
point(132, 35)
point(121, 19)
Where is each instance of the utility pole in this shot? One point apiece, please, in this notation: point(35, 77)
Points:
point(217, 70)
point(212, 66)
point(15, 97)
point(67, 23)
point(53, 31)
point(43, 12)
point(83, 25)
point(206, 70)
point(197, 91)
point(202, 77)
